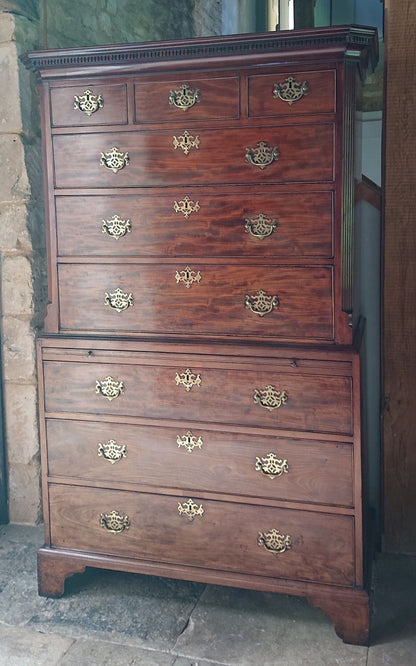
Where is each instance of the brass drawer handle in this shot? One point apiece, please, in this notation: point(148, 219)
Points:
point(114, 522)
point(260, 303)
point(262, 155)
point(188, 277)
point(190, 509)
point(290, 91)
point(189, 441)
point(116, 227)
point(109, 388)
point(186, 206)
point(112, 451)
point(188, 379)
point(270, 397)
point(114, 159)
point(88, 102)
point(261, 226)
point(274, 542)
point(184, 98)
point(186, 141)
point(271, 466)
point(118, 300)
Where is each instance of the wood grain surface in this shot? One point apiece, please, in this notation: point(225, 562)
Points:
point(399, 303)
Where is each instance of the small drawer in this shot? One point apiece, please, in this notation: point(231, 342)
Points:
point(189, 389)
point(89, 104)
point(287, 302)
point(297, 545)
point(188, 155)
point(267, 224)
point(195, 458)
point(291, 93)
point(186, 100)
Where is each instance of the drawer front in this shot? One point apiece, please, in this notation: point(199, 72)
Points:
point(319, 547)
point(306, 153)
point(186, 100)
point(199, 460)
point(84, 104)
point(266, 224)
point(184, 391)
point(198, 298)
point(291, 93)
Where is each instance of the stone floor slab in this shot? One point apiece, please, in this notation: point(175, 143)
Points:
point(245, 628)
point(21, 646)
point(121, 608)
point(183, 661)
point(99, 653)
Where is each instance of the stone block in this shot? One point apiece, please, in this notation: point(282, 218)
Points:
point(20, 404)
point(17, 286)
point(14, 234)
point(24, 493)
point(10, 118)
point(19, 358)
point(14, 183)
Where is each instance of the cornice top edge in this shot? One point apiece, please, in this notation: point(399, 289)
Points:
point(343, 37)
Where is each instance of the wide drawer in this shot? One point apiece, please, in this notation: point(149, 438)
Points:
point(196, 390)
point(289, 302)
point(198, 459)
point(187, 99)
point(84, 104)
point(291, 93)
point(303, 153)
point(266, 224)
point(222, 536)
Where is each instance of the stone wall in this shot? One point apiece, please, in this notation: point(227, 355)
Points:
point(114, 21)
point(24, 26)
point(21, 258)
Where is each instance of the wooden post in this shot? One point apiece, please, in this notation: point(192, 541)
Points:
point(399, 337)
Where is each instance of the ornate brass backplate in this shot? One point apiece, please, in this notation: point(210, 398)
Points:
point(119, 300)
point(186, 206)
point(114, 522)
point(260, 226)
point(116, 227)
point(274, 542)
point(271, 465)
point(290, 91)
point(270, 397)
point(190, 509)
point(88, 102)
point(109, 388)
point(112, 451)
point(188, 379)
point(114, 159)
point(262, 155)
point(189, 441)
point(185, 97)
point(260, 303)
point(186, 141)
point(187, 276)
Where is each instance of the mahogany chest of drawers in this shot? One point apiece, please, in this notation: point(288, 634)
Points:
point(199, 378)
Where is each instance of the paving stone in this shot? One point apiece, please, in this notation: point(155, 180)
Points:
point(121, 608)
point(183, 661)
point(21, 646)
point(245, 628)
point(88, 653)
